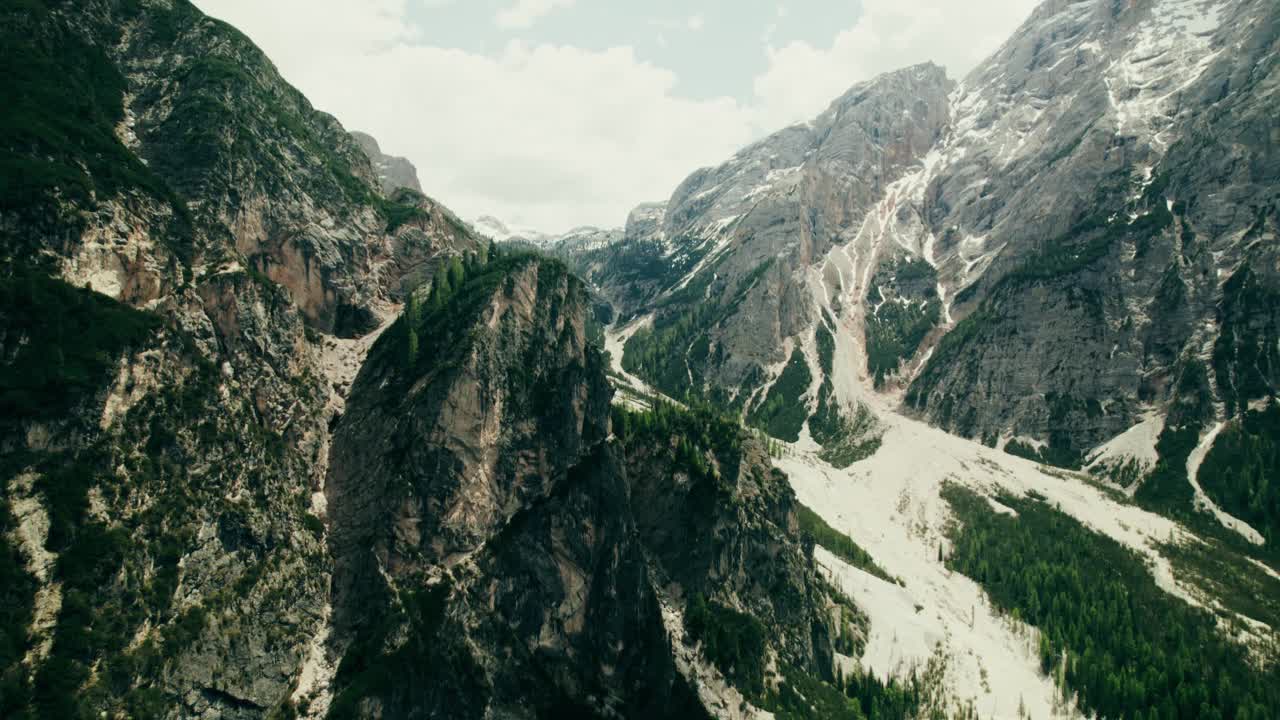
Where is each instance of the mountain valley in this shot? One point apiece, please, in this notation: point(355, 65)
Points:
point(957, 401)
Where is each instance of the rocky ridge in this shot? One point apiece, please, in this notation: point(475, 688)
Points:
point(195, 265)
point(1036, 253)
point(393, 172)
point(185, 237)
point(476, 481)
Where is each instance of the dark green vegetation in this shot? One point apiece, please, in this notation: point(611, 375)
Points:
point(368, 670)
point(844, 440)
point(430, 333)
point(856, 439)
point(1246, 358)
point(827, 422)
point(783, 411)
point(906, 310)
point(668, 354)
point(733, 641)
point(675, 353)
point(62, 98)
point(1020, 449)
point(1167, 489)
point(1237, 473)
point(1229, 576)
point(837, 543)
point(1130, 648)
point(70, 342)
point(638, 266)
point(17, 600)
point(401, 209)
point(953, 347)
point(688, 432)
point(1058, 451)
point(857, 697)
point(863, 696)
point(1241, 473)
point(800, 696)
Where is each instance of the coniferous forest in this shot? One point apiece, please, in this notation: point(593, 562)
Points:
point(1109, 634)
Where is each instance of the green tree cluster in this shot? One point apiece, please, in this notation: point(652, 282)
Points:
point(450, 277)
point(66, 341)
point(1127, 648)
point(783, 411)
point(692, 433)
point(837, 543)
point(1241, 473)
point(732, 640)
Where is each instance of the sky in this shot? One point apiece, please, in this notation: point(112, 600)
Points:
point(551, 114)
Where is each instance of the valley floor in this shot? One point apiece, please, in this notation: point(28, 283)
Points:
point(891, 505)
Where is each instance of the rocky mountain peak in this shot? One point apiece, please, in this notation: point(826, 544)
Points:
point(393, 172)
point(473, 468)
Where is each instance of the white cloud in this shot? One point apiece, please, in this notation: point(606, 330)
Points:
point(543, 136)
point(695, 22)
point(554, 136)
point(802, 80)
point(524, 12)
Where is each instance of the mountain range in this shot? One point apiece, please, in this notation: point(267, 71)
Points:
point(957, 401)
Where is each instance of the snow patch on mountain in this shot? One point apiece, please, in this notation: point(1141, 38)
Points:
point(498, 231)
point(579, 239)
point(615, 341)
point(989, 659)
point(1166, 55)
point(891, 505)
point(1203, 501)
point(1137, 444)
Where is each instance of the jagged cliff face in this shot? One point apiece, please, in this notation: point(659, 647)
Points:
point(1109, 173)
point(1038, 251)
point(476, 473)
point(213, 507)
point(729, 271)
point(393, 172)
point(499, 554)
point(164, 455)
point(205, 160)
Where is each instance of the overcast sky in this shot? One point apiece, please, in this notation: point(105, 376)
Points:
point(556, 113)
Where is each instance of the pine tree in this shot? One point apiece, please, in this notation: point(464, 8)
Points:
point(456, 272)
point(412, 318)
point(440, 288)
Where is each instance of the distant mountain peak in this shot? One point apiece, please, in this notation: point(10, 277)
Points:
point(580, 237)
point(393, 172)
